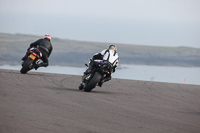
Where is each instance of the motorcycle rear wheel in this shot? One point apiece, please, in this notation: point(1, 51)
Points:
point(26, 66)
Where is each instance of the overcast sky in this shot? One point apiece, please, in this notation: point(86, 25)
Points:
point(145, 22)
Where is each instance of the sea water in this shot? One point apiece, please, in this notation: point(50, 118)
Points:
point(171, 74)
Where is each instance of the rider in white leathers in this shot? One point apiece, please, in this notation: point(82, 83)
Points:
point(109, 55)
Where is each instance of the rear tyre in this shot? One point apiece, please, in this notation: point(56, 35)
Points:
point(93, 82)
point(26, 66)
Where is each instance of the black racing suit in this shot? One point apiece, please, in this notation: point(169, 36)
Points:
point(45, 47)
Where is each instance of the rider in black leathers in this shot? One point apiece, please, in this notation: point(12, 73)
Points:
point(45, 47)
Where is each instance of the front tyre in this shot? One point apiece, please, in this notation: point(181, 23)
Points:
point(81, 86)
point(26, 66)
point(93, 82)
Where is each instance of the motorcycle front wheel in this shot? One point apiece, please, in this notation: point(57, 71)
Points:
point(93, 82)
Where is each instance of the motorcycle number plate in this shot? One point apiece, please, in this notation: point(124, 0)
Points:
point(32, 56)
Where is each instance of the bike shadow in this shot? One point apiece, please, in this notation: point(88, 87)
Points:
point(100, 92)
point(77, 90)
point(64, 89)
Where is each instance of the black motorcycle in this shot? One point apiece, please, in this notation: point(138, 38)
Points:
point(34, 58)
point(99, 71)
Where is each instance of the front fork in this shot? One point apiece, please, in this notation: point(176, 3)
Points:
point(86, 78)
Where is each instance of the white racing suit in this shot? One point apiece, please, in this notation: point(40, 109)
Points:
point(106, 55)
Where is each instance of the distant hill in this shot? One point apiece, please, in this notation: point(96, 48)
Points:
point(76, 53)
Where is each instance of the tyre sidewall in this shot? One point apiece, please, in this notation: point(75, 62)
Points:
point(26, 66)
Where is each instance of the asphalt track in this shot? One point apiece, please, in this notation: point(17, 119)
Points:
point(51, 103)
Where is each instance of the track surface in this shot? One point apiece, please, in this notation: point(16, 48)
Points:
point(52, 103)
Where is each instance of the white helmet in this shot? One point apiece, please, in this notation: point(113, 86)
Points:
point(113, 47)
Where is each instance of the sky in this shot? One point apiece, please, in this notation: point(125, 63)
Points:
point(142, 22)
